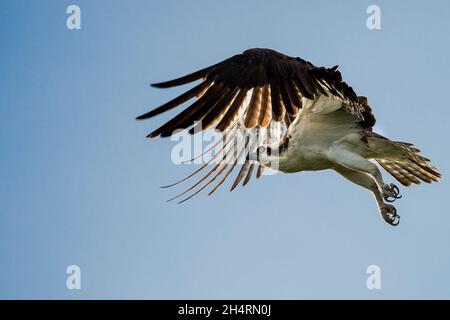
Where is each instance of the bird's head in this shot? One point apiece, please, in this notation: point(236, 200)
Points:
point(266, 155)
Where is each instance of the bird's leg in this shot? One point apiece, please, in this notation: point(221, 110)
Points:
point(389, 190)
point(354, 161)
point(365, 180)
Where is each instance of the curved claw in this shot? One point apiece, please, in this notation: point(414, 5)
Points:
point(391, 216)
point(396, 194)
point(392, 198)
point(396, 189)
point(396, 219)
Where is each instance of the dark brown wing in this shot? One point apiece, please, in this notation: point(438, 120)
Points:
point(276, 81)
point(252, 90)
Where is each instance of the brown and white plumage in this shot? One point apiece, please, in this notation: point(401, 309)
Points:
point(311, 117)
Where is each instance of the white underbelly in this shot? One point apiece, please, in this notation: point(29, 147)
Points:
point(311, 139)
point(305, 162)
point(305, 157)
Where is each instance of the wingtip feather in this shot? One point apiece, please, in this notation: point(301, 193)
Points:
point(152, 135)
point(159, 85)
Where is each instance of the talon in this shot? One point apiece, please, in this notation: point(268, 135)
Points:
point(391, 192)
point(396, 221)
point(392, 198)
point(389, 214)
point(396, 190)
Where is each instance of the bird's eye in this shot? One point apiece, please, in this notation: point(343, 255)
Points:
point(269, 151)
point(261, 150)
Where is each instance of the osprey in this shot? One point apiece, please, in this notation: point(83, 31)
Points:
point(308, 117)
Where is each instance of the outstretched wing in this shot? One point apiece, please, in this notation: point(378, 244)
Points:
point(259, 89)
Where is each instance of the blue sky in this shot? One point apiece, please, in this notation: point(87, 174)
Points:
point(79, 184)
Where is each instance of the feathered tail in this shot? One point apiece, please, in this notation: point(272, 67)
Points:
point(403, 161)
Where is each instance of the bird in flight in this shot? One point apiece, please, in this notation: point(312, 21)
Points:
point(304, 118)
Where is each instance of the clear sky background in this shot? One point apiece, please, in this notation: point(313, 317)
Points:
point(79, 184)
